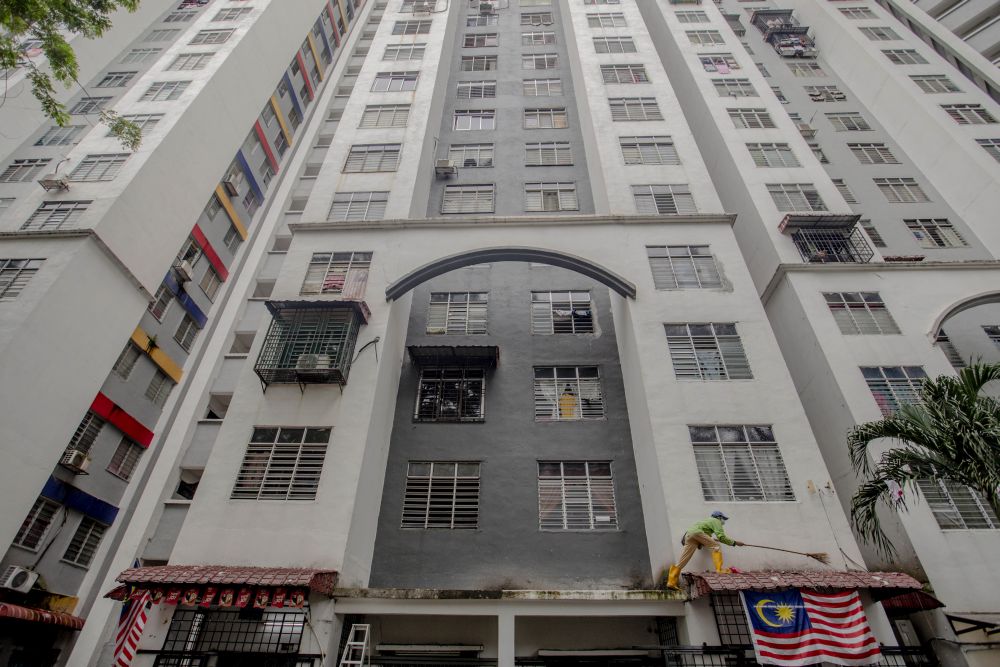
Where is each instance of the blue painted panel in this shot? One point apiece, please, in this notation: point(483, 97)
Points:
point(249, 174)
point(82, 502)
point(170, 280)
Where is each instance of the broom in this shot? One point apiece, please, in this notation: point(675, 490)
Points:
point(819, 556)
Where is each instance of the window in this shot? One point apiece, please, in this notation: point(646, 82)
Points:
point(471, 155)
point(806, 68)
point(232, 14)
point(711, 351)
point(404, 52)
point(722, 63)
point(648, 150)
point(232, 239)
point(481, 20)
point(59, 136)
point(476, 90)
point(164, 91)
point(879, 34)
point(99, 167)
point(343, 273)
point(568, 393)
point(537, 18)
point(634, 108)
point(993, 333)
point(905, 57)
point(705, 37)
point(36, 525)
point(991, 146)
point(778, 94)
point(457, 313)
point(548, 154)
point(190, 61)
point(84, 544)
point(602, 2)
point(542, 87)
point(844, 191)
point(956, 506)
point(478, 119)
point(873, 234)
point(691, 17)
point(211, 37)
point(796, 197)
point(969, 114)
point(576, 495)
point(26, 169)
point(663, 199)
point(138, 56)
point(232, 631)
point(441, 494)
point(373, 157)
point(773, 155)
point(480, 40)
point(180, 17)
point(125, 459)
point(411, 27)
point(450, 395)
point(540, 61)
point(740, 463)
point(547, 197)
point(901, 190)
point(358, 206)
point(935, 233)
point(892, 386)
point(935, 83)
point(825, 94)
point(145, 121)
point(561, 313)
point(190, 252)
point(848, 122)
point(478, 63)
point(210, 283)
point(468, 198)
point(161, 301)
point(734, 88)
point(606, 20)
point(162, 35)
point(538, 38)
point(683, 267)
point(624, 74)
point(873, 154)
point(115, 79)
point(282, 464)
point(820, 155)
point(531, 3)
point(751, 118)
point(614, 45)
point(388, 82)
point(55, 215)
point(535, 119)
point(860, 313)
point(385, 115)
point(126, 361)
point(858, 13)
point(186, 333)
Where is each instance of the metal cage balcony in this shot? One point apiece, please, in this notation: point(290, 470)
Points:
point(822, 245)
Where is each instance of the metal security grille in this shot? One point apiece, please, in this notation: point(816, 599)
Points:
point(879, 33)
point(536, 18)
point(481, 20)
point(86, 433)
point(861, 313)
point(848, 122)
point(691, 17)
point(683, 267)
point(844, 190)
point(89, 105)
point(537, 38)
point(535, 119)
point(606, 20)
point(84, 544)
point(159, 388)
point(358, 206)
point(969, 114)
point(730, 619)
point(773, 155)
point(344, 273)
point(542, 87)
point(478, 63)
point(476, 90)
point(751, 118)
point(441, 494)
point(232, 14)
point(186, 333)
point(55, 215)
point(722, 63)
point(993, 333)
point(935, 83)
point(711, 351)
point(471, 155)
point(59, 136)
point(36, 524)
point(548, 197)
point(568, 393)
point(126, 361)
point(125, 459)
point(956, 506)
point(991, 146)
point(385, 115)
point(734, 88)
point(872, 233)
point(145, 121)
point(808, 68)
point(15, 274)
point(282, 464)
point(404, 52)
point(390, 82)
point(873, 154)
point(99, 167)
point(457, 313)
point(468, 198)
point(892, 386)
point(935, 233)
point(450, 395)
point(309, 345)
point(238, 631)
point(576, 495)
point(858, 13)
point(904, 57)
point(663, 199)
point(624, 74)
point(562, 313)
point(475, 119)
point(164, 91)
point(705, 37)
point(27, 169)
point(796, 197)
point(740, 463)
point(901, 190)
point(411, 27)
point(211, 37)
point(614, 45)
point(190, 61)
point(372, 157)
point(540, 61)
point(649, 150)
point(138, 55)
point(824, 245)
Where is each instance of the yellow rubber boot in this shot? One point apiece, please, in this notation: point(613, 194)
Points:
point(673, 577)
point(717, 560)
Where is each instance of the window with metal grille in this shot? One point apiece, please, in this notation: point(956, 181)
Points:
point(708, 351)
point(691, 17)
point(161, 301)
point(180, 17)
point(55, 215)
point(459, 313)
point(23, 170)
point(536, 18)
point(614, 45)
point(474, 119)
point(480, 40)
point(540, 61)
point(634, 108)
point(606, 20)
point(568, 393)
point(806, 68)
point(993, 333)
point(935, 233)
point(751, 118)
point(624, 74)
point(892, 386)
point(282, 464)
point(85, 541)
point(404, 52)
point(162, 35)
point(36, 525)
point(958, 507)
point(126, 360)
point(211, 37)
point(550, 197)
point(471, 155)
point(481, 20)
point(561, 313)
point(991, 146)
point(476, 90)
point(473, 198)
point(478, 63)
point(59, 136)
point(648, 150)
point(904, 57)
point(740, 463)
point(722, 63)
point(825, 94)
point(232, 14)
point(683, 267)
point(99, 167)
point(548, 154)
point(196, 632)
point(969, 114)
point(210, 283)
point(373, 157)
point(901, 190)
point(858, 12)
point(15, 274)
point(164, 91)
point(186, 333)
point(705, 37)
point(159, 388)
point(385, 115)
point(873, 233)
point(441, 494)
point(796, 197)
point(388, 82)
point(537, 38)
point(935, 83)
point(844, 191)
point(943, 343)
point(145, 121)
point(576, 495)
point(602, 2)
point(125, 459)
point(663, 199)
point(450, 395)
point(860, 313)
point(535, 119)
point(734, 88)
point(873, 154)
point(731, 619)
point(542, 87)
point(138, 56)
point(116, 79)
point(820, 155)
point(848, 122)
point(344, 273)
point(190, 61)
point(773, 155)
point(879, 33)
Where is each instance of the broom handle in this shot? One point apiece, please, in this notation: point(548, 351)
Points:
point(787, 551)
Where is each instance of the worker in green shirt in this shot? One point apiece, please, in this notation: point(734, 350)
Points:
point(705, 533)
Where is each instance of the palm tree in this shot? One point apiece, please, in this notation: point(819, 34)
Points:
point(952, 434)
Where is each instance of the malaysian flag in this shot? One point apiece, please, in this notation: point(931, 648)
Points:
point(802, 627)
point(130, 625)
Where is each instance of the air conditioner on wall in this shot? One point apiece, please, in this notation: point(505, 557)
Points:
point(76, 460)
point(185, 272)
point(486, 7)
point(313, 362)
point(18, 579)
point(444, 168)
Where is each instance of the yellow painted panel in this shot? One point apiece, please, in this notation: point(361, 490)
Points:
point(281, 119)
point(231, 212)
point(319, 63)
point(158, 356)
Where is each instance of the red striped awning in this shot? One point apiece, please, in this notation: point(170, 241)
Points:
point(704, 583)
point(8, 610)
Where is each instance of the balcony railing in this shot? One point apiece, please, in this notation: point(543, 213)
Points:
point(783, 32)
point(819, 245)
point(712, 656)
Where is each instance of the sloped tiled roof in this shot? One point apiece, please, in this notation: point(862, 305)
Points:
point(703, 583)
point(320, 581)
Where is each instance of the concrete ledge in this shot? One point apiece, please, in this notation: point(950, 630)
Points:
point(513, 221)
point(456, 594)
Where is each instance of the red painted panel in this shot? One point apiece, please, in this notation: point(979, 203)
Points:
point(333, 24)
point(266, 145)
point(305, 75)
point(105, 408)
point(213, 257)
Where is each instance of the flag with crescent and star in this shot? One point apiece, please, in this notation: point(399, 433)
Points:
point(795, 627)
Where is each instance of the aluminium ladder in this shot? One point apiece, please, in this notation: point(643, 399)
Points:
point(356, 651)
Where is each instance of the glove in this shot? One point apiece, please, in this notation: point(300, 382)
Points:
point(737, 543)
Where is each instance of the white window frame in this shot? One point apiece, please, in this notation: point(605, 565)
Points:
point(441, 494)
point(276, 468)
point(901, 190)
point(658, 149)
point(848, 121)
point(471, 156)
point(892, 386)
point(568, 393)
point(542, 87)
point(861, 313)
point(35, 527)
point(548, 154)
point(457, 313)
point(343, 272)
point(211, 37)
point(562, 312)
point(476, 90)
point(370, 158)
point(740, 463)
point(469, 198)
point(707, 351)
point(624, 109)
point(478, 63)
point(872, 153)
point(398, 52)
point(125, 459)
point(790, 197)
point(663, 199)
point(394, 82)
point(772, 155)
point(86, 540)
point(576, 496)
point(935, 233)
point(164, 91)
point(384, 115)
point(99, 167)
point(751, 119)
point(683, 267)
point(626, 74)
point(55, 215)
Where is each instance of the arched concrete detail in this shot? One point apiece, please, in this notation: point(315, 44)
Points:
point(980, 299)
point(510, 254)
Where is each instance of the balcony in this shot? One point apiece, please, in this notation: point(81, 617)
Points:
point(825, 245)
point(783, 33)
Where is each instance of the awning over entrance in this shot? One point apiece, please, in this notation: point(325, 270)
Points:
point(8, 610)
point(911, 602)
point(704, 583)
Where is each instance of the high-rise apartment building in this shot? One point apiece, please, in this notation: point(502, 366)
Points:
point(469, 310)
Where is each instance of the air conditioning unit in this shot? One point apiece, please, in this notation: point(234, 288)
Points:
point(18, 579)
point(54, 181)
point(486, 7)
point(230, 188)
point(313, 362)
point(423, 7)
point(806, 130)
point(444, 168)
point(185, 272)
point(76, 460)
